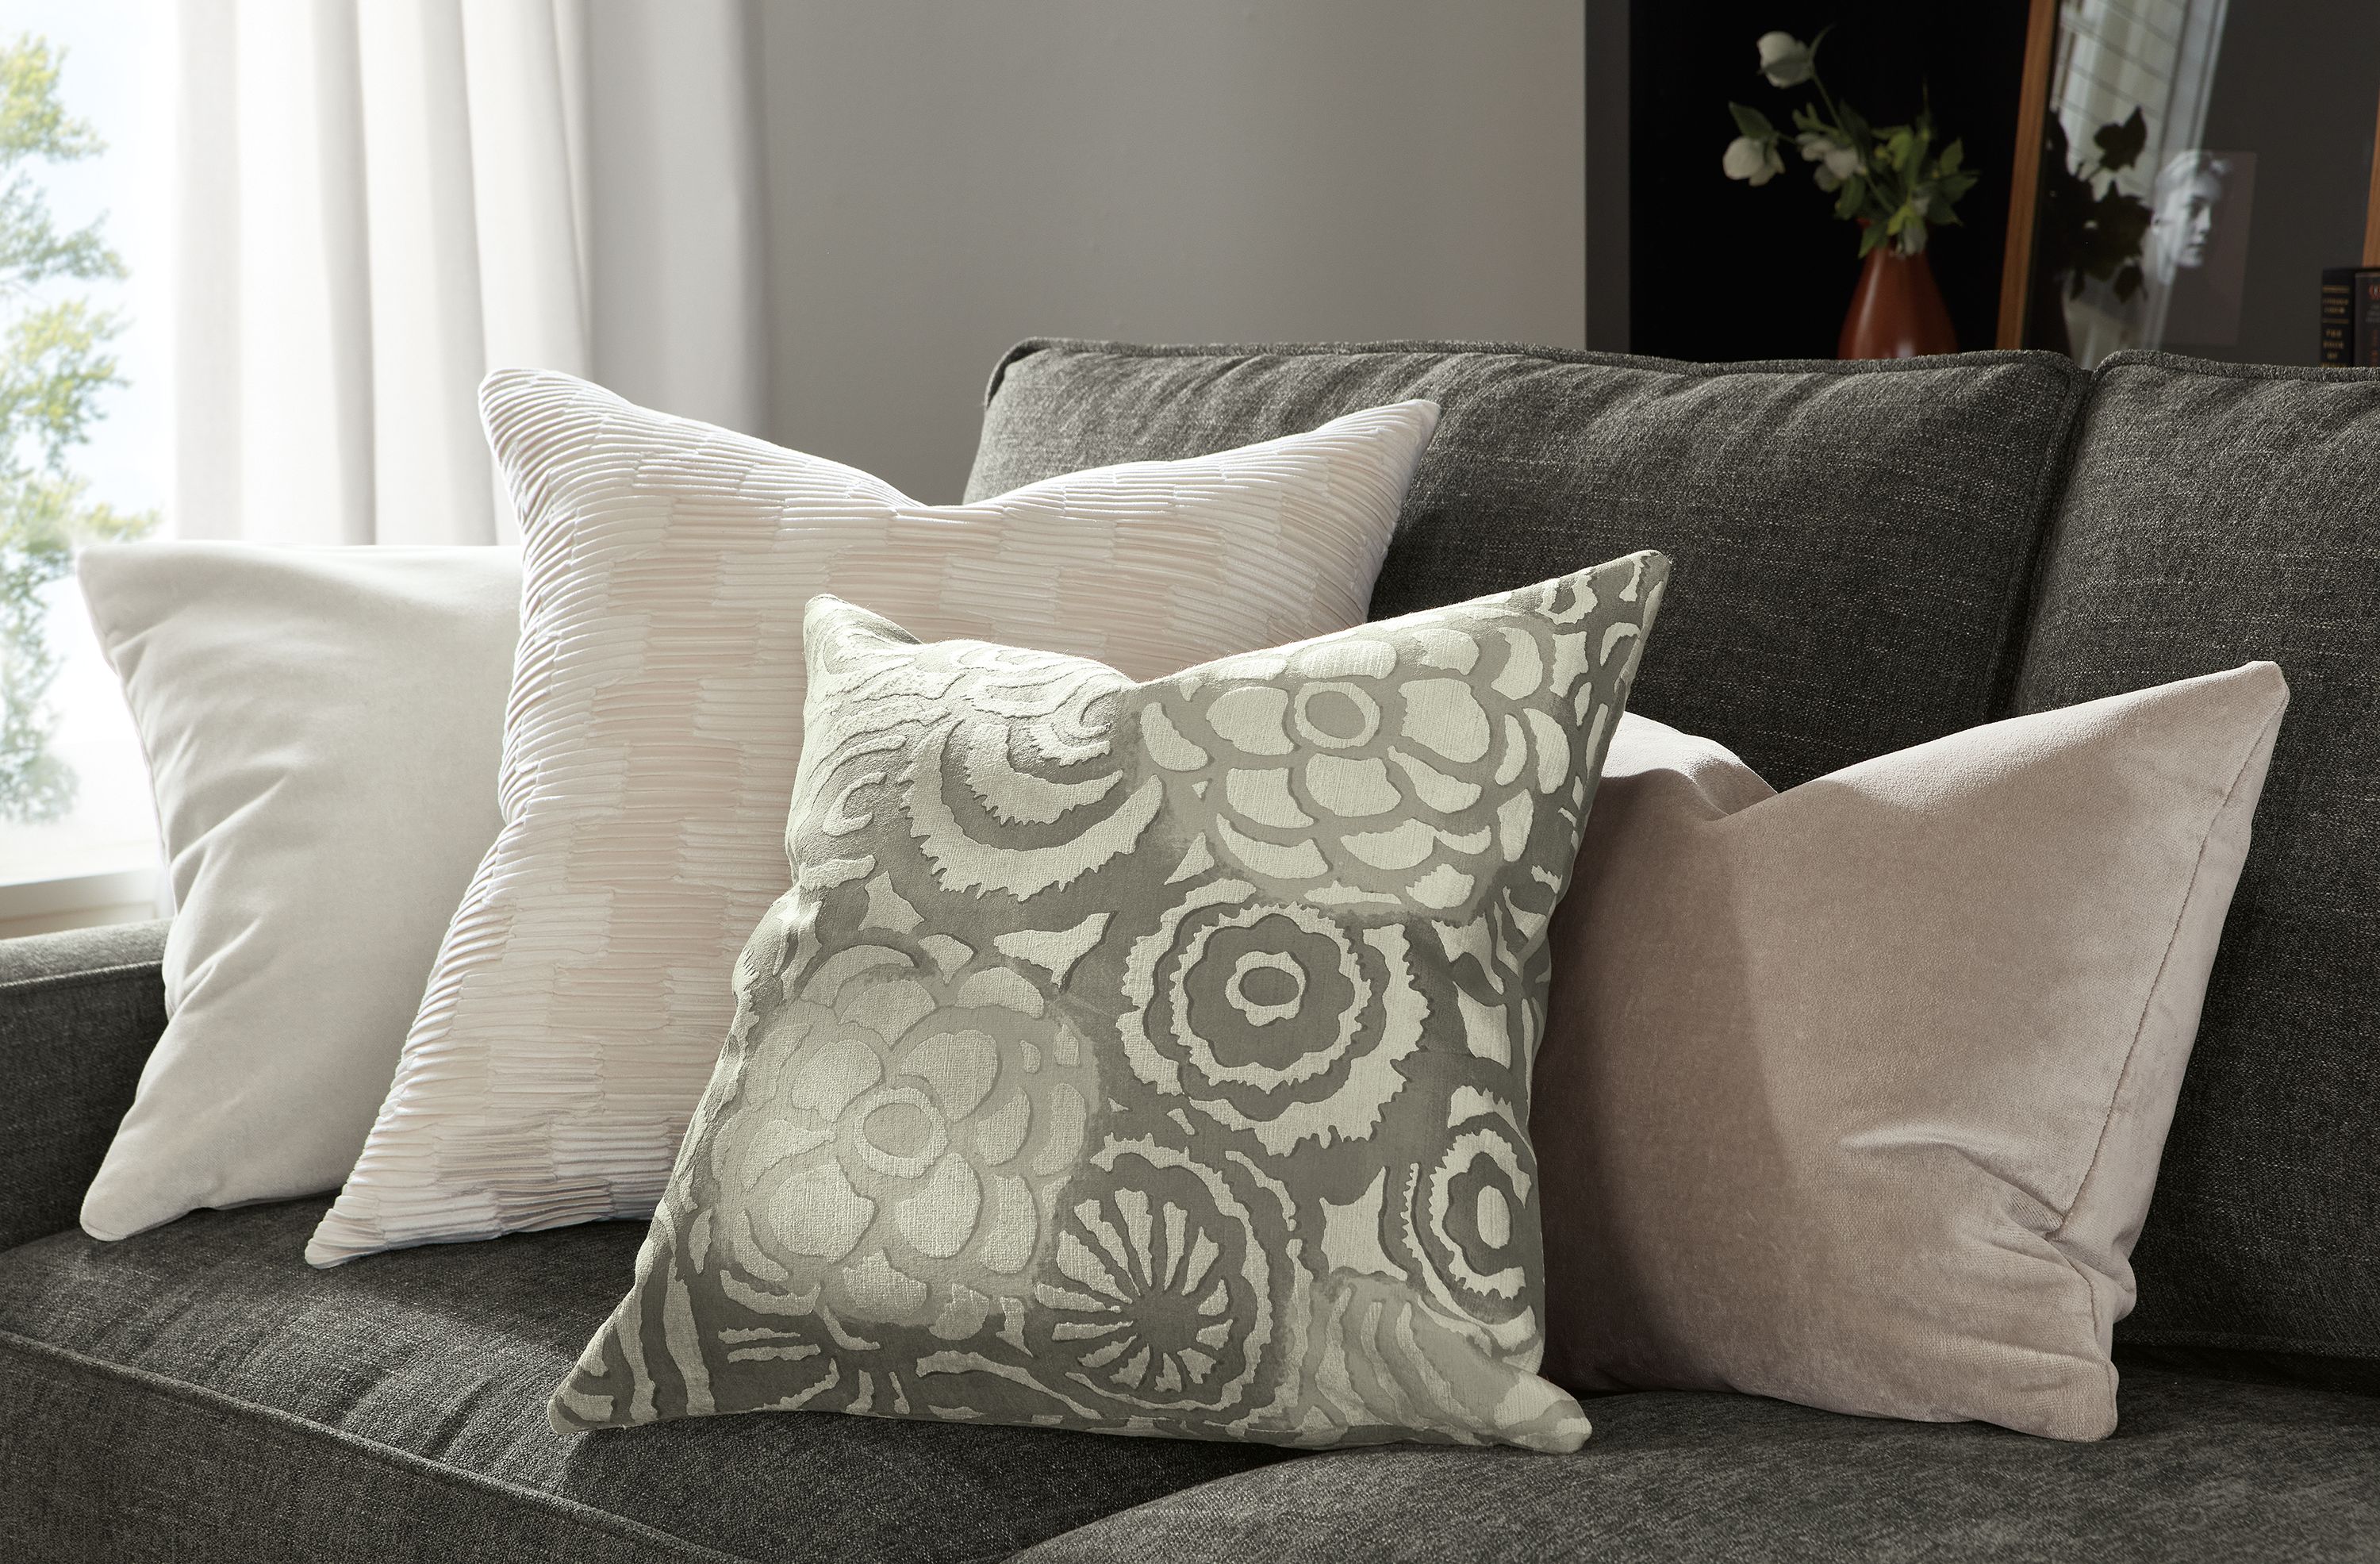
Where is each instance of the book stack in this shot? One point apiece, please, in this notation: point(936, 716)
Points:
point(2351, 315)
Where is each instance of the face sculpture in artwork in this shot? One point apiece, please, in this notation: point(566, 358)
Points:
point(2189, 190)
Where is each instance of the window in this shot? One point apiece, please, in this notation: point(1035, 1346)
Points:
point(82, 314)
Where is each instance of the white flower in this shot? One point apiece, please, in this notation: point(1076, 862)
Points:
point(1838, 161)
point(1754, 161)
point(1785, 59)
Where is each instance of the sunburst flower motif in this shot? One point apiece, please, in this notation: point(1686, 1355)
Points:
point(1162, 1298)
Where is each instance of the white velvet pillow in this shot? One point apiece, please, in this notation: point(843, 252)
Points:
point(323, 728)
point(577, 1005)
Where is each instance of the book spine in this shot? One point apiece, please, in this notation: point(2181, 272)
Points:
point(2339, 337)
point(2367, 317)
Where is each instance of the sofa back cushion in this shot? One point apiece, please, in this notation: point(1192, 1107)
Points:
point(1852, 541)
point(2216, 513)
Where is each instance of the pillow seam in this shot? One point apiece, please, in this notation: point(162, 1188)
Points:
point(2156, 984)
point(1591, 358)
point(50, 982)
point(2131, 1054)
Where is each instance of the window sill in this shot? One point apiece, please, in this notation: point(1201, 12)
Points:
point(79, 901)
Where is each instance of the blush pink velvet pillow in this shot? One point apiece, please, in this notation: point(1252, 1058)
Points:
point(1853, 1096)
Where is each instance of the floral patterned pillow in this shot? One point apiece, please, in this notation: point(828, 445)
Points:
point(1150, 1058)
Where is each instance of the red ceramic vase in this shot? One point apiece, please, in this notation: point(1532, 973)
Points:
point(1897, 313)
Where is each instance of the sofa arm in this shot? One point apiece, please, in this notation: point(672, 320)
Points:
point(78, 1013)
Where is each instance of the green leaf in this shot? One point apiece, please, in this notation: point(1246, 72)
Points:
point(1752, 123)
point(1853, 196)
point(1948, 162)
point(1870, 237)
point(2120, 145)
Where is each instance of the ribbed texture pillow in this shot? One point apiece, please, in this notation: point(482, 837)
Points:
point(579, 1002)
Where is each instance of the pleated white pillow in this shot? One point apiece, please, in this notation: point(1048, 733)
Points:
point(583, 991)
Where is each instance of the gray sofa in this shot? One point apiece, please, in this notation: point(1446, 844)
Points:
point(1867, 556)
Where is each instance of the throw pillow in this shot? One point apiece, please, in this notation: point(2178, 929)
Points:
point(322, 727)
point(575, 1009)
point(1853, 1096)
point(1147, 1058)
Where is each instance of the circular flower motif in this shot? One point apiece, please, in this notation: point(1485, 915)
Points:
point(1465, 1220)
point(1272, 1017)
point(1161, 1296)
point(1372, 770)
point(894, 1140)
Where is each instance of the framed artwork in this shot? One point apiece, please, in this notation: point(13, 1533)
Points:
point(2186, 171)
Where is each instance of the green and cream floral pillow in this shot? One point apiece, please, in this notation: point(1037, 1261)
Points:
point(1150, 1058)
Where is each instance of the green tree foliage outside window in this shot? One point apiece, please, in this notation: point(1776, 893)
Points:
point(53, 369)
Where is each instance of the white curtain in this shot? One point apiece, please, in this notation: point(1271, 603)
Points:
point(383, 199)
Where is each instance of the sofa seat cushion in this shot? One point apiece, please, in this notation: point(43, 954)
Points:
point(202, 1383)
point(2201, 1469)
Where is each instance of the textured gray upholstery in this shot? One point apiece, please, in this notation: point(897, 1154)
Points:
point(204, 1378)
point(78, 1014)
point(1851, 542)
point(2218, 513)
point(2200, 1471)
point(199, 1394)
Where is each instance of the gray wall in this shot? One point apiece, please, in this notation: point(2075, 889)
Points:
point(946, 178)
point(2293, 83)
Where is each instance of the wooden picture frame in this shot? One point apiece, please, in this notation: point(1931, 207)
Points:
point(2024, 185)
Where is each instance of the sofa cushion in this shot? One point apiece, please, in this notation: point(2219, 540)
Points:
point(321, 727)
point(1012, 1125)
point(1853, 1094)
point(578, 1003)
point(2200, 1470)
point(1853, 541)
point(2216, 513)
point(200, 1382)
